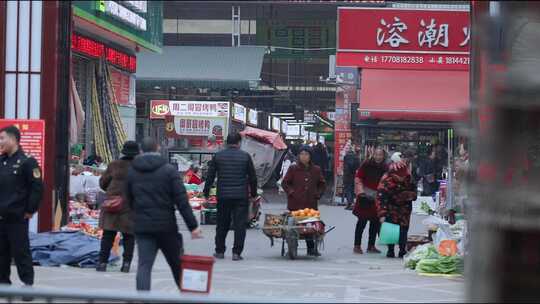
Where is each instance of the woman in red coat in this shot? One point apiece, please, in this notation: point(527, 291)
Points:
point(304, 185)
point(396, 193)
point(366, 182)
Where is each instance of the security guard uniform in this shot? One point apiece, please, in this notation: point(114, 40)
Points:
point(21, 192)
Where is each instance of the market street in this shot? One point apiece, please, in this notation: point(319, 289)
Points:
point(336, 276)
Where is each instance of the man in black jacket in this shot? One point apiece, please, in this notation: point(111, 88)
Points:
point(21, 191)
point(154, 189)
point(236, 182)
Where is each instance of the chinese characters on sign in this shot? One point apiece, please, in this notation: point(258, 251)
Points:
point(404, 39)
point(162, 108)
point(32, 137)
point(177, 127)
point(433, 36)
point(121, 85)
point(395, 29)
point(345, 96)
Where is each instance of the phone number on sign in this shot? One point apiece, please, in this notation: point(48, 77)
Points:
point(401, 59)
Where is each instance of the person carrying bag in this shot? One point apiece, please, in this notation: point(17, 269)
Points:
point(366, 183)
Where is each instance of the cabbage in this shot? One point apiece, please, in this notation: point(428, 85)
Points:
point(421, 252)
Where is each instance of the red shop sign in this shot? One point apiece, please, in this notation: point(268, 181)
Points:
point(97, 49)
point(32, 137)
point(391, 38)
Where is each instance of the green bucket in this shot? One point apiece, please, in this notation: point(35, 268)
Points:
point(389, 234)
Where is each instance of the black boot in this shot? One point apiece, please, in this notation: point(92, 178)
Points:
point(126, 265)
point(402, 251)
point(101, 267)
point(391, 253)
point(313, 252)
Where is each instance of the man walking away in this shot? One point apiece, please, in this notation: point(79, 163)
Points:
point(154, 189)
point(351, 163)
point(21, 191)
point(236, 181)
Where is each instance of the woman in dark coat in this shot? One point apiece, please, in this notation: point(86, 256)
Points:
point(396, 192)
point(113, 182)
point(304, 184)
point(367, 181)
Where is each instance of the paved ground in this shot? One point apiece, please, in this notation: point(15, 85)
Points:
point(337, 276)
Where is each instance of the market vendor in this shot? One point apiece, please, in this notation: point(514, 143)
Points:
point(193, 175)
point(304, 184)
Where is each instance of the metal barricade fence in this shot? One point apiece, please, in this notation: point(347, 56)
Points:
point(12, 294)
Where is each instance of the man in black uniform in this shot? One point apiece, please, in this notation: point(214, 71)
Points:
point(21, 191)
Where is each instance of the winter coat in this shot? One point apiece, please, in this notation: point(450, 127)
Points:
point(235, 174)
point(304, 186)
point(154, 189)
point(369, 174)
point(113, 182)
point(351, 163)
point(430, 167)
point(395, 195)
point(320, 157)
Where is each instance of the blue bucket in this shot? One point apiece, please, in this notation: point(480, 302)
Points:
point(389, 234)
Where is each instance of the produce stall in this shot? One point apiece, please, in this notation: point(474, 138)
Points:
point(443, 253)
point(183, 159)
point(78, 242)
point(205, 211)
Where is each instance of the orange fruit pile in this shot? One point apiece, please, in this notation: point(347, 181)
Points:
point(306, 213)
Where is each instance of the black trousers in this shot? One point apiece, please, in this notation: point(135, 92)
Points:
point(374, 227)
point(227, 210)
point(403, 232)
point(348, 192)
point(148, 245)
point(107, 243)
point(14, 243)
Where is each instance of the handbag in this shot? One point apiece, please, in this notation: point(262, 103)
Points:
point(113, 204)
point(362, 202)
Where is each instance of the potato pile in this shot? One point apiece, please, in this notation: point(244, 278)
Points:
point(306, 213)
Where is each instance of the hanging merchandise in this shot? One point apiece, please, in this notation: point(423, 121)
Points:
point(76, 114)
point(109, 133)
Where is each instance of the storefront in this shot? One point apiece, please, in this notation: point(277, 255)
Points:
point(105, 41)
point(413, 74)
point(109, 34)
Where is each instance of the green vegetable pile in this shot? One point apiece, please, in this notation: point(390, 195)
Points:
point(426, 208)
point(426, 251)
point(442, 265)
point(426, 259)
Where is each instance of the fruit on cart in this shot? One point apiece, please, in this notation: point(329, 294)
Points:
point(307, 212)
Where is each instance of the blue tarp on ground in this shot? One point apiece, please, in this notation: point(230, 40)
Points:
point(65, 248)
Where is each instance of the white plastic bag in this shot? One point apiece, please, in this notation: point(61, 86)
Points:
point(434, 222)
point(443, 233)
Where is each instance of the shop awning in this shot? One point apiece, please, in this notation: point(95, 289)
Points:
point(269, 137)
point(201, 67)
point(411, 95)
